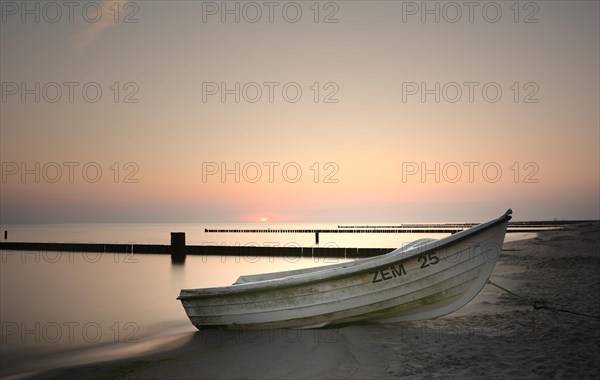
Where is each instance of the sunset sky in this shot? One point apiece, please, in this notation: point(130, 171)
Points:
point(174, 111)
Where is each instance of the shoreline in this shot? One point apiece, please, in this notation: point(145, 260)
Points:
point(495, 335)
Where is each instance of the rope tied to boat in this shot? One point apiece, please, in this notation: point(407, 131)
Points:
point(538, 305)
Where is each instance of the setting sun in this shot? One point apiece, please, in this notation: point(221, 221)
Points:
point(264, 219)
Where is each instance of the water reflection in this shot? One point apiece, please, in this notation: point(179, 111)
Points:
point(67, 308)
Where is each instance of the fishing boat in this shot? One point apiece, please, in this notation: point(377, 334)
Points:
point(424, 279)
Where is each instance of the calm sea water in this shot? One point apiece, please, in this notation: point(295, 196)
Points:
point(65, 308)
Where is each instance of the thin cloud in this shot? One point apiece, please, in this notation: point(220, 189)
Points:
point(94, 30)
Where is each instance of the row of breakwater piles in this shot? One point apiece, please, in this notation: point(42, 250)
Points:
point(179, 249)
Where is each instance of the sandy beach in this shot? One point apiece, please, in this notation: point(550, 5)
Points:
point(497, 335)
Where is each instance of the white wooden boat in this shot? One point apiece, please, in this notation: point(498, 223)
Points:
point(425, 279)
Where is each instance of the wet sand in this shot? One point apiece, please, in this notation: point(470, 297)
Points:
point(497, 335)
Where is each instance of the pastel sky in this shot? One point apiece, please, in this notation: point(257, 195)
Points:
point(191, 111)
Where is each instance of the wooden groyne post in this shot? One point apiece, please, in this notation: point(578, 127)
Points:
point(178, 247)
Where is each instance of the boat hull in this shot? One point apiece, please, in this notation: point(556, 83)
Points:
point(423, 282)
